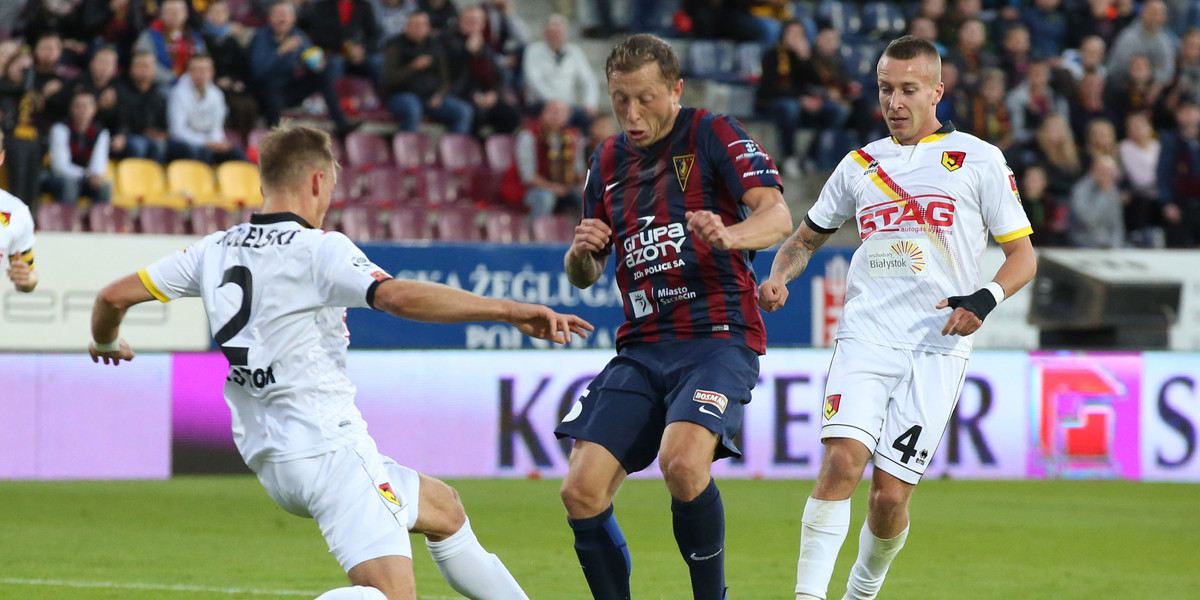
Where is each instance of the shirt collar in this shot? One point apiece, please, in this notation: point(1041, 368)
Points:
point(946, 129)
point(280, 217)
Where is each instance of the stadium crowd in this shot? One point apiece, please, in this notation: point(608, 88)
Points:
point(1096, 103)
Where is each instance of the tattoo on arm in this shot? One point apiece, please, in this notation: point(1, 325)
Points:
point(797, 250)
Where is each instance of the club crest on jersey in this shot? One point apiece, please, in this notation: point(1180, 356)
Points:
point(1012, 180)
point(385, 490)
point(715, 399)
point(832, 404)
point(5, 218)
point(683, 168)
point(952, 159)
point(381, 275)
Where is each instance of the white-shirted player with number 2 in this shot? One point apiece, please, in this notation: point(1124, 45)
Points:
point(924, 200)
point(276, 291)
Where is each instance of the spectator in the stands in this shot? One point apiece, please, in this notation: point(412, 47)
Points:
point(1147, 37)
point(196, 116)
point(1095, 215)
point(1047, 25)
point(443, 15)
point(79, 155)
point(556, 69)
point(971, 55)
point(1053, 148)
point(20, 108)
point(770, 17)
point(1138, 156)
point(49, 79)
point(476, 76)
point(959, 12)
point(955, 103)
point(416, 80)
point(507, 35)
point(172, 41)
point(1088, 58)
point(100, 80)
point(1179, 177)
point(722, 19)
point(1016, 58)
point(1090, 104)
point(550, 162)
point(926, 29)
point(792, 94)
point(142, 113)
point(116, 22)
point(1187, 71)
point(393, 14)
point(602, 128)
point(1047, 214)
point(1138, 92)
point(1102, 18)
point(988, 117)
point(843, 88)
point(349, 33)
point(1033, 100)
point(1099, 139)
point(285, 68)
point(230, 60)
point(60, 17)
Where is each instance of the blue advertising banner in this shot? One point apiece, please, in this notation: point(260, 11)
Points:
point(534, 273)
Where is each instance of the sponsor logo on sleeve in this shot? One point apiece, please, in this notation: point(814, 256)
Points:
point(714, 399)
point(5, 218)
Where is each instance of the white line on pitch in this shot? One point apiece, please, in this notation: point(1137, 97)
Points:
point(170, 588)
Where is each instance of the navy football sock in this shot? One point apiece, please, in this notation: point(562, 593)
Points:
point(700, 533)
point(603, 555)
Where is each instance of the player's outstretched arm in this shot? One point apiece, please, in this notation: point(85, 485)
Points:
point(1020, 265)
point(769, 222)
point(790, 261)
point(22, 274)
point(107, 314)
point(437, 303)
point(585, 259)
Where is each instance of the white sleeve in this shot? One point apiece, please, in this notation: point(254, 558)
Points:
point(1000, 202)
point(98, 165)
point(60, 153)
point(345, 276)
point(221, 108)
point(24, 238)
point(176, 275)
point(836, 202)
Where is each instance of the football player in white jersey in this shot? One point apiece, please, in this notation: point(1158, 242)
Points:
point(924, 199)
point(16, 238)
point(276, 291)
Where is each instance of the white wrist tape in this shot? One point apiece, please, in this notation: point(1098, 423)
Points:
point(112, 346)
point(996, 289)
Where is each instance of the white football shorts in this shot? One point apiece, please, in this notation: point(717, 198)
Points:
point(365, 503)
point(896, 402)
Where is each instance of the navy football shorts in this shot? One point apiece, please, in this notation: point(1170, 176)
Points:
point(647, 386)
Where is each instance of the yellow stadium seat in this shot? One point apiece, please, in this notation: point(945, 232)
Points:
point(193, 180)
point(239, 184)
point(142, 182)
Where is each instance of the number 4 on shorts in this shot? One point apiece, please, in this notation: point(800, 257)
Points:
point(907, 443)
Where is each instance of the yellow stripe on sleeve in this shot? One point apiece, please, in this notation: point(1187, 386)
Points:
point(150, 287)
point(27, 256)
point(1018, 234)
point(858, 157)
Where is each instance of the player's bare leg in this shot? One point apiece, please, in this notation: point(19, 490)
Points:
point(592, 480)
point(386, 577)
point(882, 535)
point(685, 457)
point(462, 561)
point(826, 519)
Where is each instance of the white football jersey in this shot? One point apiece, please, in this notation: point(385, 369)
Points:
point(276, 292)
point(923, 213)
point(16, 230)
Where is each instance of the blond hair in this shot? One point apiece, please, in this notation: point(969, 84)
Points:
point(291, 151)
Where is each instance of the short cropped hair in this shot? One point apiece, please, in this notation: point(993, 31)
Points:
point(290, 151)
point(909, 47)
point(640, 50)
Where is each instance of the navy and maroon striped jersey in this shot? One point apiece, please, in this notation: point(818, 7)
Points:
point(673, 286)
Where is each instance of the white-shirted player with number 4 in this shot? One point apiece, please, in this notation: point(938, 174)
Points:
point(276, 291)
point(924, 200)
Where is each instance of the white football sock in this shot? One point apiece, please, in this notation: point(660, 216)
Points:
point(470, 570)
point(871, 566)
point(357, 592)
point(824, 527)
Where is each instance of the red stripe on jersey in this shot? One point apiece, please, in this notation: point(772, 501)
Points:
point(727, 138)
point(694, 200)
point(664, 176)
point(608, 166)
point(756, 337)
point(624, 226)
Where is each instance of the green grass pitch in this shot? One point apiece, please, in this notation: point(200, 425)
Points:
point(221, 537)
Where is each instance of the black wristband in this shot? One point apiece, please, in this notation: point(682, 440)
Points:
point(981, 302)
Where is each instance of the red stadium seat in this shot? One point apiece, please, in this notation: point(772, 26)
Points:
point(410, 223)
point(362, 223)
point(389, 186)
point(161, 220)
point(359, 98)
point(207, 219)
point(553, 228)
point(460, 153)
point(346, 189)
point(457, 224)
point(366, 150)
point(504, 227)
point(242, 11)
point(500, 150)
point(106, 218)
point(436, 187)
point(56, 216)
point(413, 151)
